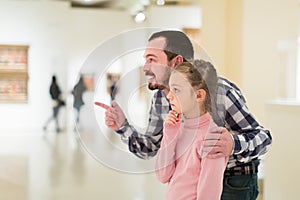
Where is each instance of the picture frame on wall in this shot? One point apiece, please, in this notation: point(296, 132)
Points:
point(14, 73)
point(111, 85)
point(88, 80)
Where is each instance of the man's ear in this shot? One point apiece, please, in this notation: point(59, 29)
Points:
point(177, 60)
point(200, 95)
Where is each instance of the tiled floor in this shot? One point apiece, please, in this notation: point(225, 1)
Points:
point(48, 166)
point(54, 166)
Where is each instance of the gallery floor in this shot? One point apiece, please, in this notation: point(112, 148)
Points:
point(52, 166)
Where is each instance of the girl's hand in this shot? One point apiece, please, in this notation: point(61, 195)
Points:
point(173, 117)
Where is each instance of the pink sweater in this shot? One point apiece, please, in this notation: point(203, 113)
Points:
point(179, 163)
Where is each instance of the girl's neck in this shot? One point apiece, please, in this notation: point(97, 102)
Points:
point(194, 115)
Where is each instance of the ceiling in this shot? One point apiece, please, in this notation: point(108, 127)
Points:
point(126, 4)
point(135, 8)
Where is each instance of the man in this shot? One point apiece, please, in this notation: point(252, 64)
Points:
point(243, 139)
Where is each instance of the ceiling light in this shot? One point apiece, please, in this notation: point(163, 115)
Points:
point(140, 17)
point(160, 2)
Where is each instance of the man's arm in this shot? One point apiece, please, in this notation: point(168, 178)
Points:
point(250, 139)
point(146, 145)
point(243, 138)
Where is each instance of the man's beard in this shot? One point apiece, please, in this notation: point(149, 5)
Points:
point(156, 86)
point(160, 86)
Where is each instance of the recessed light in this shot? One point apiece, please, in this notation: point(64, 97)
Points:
point(140, 17)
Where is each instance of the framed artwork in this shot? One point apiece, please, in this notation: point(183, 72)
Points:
point(88, 80)
point(13, 73)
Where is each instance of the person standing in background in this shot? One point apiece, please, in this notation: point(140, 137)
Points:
point(55, 94)
point(77, 93)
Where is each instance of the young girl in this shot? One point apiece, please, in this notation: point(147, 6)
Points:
point(189, 176)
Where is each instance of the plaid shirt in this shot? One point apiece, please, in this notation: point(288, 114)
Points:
point(250, 139)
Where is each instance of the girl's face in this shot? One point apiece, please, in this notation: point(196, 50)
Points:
point(182, 96)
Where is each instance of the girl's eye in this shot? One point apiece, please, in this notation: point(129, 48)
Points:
point(176, 90)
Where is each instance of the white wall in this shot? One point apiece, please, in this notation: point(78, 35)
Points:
point(283, 161)
point(265, 24)
point(175, 17)
point(59, 40)
point(89, 28)
point(245, 50)
point(213, 31)
point(42, 27)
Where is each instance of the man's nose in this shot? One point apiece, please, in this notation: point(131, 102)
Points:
point(146, 67)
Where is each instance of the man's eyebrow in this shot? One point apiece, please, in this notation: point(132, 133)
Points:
point(148, 55)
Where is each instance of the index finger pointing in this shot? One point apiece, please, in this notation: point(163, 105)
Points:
point(102, 105)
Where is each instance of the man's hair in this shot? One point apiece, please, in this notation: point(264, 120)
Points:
point(177, 43)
